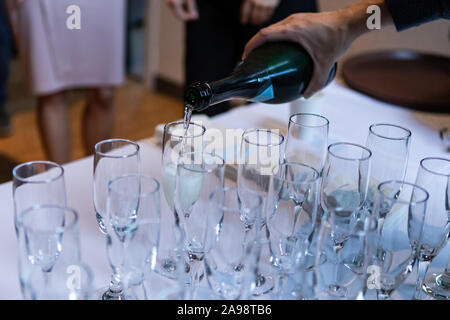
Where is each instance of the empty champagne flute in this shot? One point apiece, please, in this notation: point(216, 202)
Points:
point(261, 151)
point(228, 264)
point(389, 144)
point(360, 242)
point(307, 140)
point(134, 222)
point(176, 141)
point(112, 158)
point(197, 174)
point(434, 176)
point(35, 183)
point(399, 208)
point(43, 229)
point(344, 188)
point(291, 208)
point(307, 143)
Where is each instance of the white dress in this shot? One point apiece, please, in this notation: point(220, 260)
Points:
point(56, 57)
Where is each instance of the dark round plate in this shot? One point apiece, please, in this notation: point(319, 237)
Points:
point(411, 79)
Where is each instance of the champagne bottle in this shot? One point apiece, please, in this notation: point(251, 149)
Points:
point(276, 72)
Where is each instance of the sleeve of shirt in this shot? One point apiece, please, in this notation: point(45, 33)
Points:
point(412, 13)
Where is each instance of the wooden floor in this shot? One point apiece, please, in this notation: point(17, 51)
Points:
point(137, 112)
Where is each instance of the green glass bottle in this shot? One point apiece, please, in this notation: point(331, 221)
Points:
point(276, 72)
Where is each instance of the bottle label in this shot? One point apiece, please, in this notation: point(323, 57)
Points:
point(266, 95)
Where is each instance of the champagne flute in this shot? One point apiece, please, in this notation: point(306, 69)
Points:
point(291, 216)
point(307, 143)
point(43, 229)
point(434, 176)
point(261, 151)
point(307, 140)
point(35, 183)
point(197, 174)
point(390, 145)
point(360, 242)
point(134, 221)
point(399, 207)
point(113, 158)
point(344, 188)
point(177, 140)
point(228, 266)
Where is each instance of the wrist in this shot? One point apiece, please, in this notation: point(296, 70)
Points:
point(356, 17)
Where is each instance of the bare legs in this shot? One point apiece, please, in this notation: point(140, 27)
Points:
point(54, 125)
point(98, 117)
point(53, 122)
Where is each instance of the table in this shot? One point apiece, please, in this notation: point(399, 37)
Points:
point(350, 116)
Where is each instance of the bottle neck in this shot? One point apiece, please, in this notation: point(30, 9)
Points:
point(238, 85)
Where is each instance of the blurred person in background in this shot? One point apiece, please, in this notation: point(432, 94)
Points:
point(217, 31)
point(61, 50)
point(5, 55)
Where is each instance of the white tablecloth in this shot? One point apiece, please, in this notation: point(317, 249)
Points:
point(350, 115)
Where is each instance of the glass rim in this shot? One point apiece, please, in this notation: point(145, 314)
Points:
point(296, 164)
point(51, 164)
point(407, 131)
point(141, 194)
point(71, 225)
point(181, 122)
point(216, 167)
point(327, 122)
point(235, 189)
point(105, 155)
point(353, 145)
point(422, 165)
point(280, 135)
point(414, 186)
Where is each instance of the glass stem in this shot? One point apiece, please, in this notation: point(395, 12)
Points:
point(338, 252)
point(195, 279)
point(115, 284)
point(382, 295)
point(47, 280)
point(423, 269)
point(283, 278)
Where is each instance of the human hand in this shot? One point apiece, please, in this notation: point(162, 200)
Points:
point(186, 10)
point(257, 12)
point(325, 36)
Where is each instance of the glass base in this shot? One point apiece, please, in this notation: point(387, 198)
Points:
point(106, 294)
point(435, 287)
point(167, 268)
point(337, 291)
point(310, 260)
point(264, 284)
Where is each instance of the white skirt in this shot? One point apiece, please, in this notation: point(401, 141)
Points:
point(56, 57)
